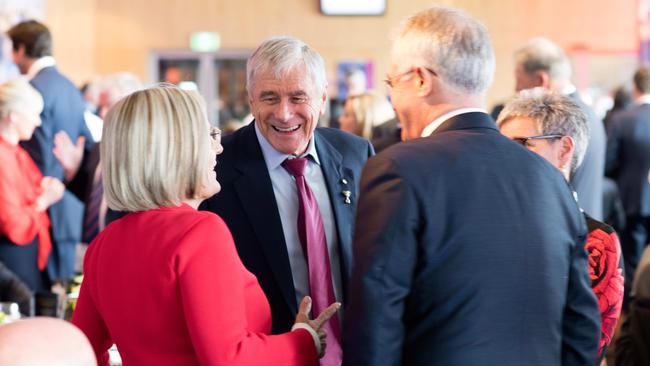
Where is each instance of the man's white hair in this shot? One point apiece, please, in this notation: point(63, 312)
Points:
point(542, 54)
point(454, 45)
point(281, 55)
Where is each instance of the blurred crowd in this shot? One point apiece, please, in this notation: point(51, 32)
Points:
point(421, 230)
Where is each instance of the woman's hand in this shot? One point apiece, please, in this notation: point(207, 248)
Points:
point(51, 192)
point(316, 324)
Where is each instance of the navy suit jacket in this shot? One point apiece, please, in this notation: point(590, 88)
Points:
point(63, 111)
point(247, 205)
point(588, 178)
point(468, 251)
point(628, 158)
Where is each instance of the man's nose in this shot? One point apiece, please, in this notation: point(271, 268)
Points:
point(284, 110)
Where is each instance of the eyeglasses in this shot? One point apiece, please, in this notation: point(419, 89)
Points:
point(392, 80)
point(523, 141)
point(215, 134)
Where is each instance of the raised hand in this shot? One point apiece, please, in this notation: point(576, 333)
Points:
point(68, 154)
point(51, 192)
point(321, 319)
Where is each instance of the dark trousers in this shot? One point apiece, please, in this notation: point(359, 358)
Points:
point(633, 241)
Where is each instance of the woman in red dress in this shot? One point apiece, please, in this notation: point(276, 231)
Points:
point(164, 283)
point(25, 194)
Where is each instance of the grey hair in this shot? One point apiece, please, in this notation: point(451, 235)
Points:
point(456, 46)
point(118, 85)
point(554, 114)
point(281, 55)
point(542, 54)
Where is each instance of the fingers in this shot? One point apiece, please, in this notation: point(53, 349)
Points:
point(305, 306)
point(62, 144)
point(303, 310)
point(81, 141)
point(46, 181)
point(62, 138)
point(326, 314)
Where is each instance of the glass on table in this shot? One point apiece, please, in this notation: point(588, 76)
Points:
point(9, 312)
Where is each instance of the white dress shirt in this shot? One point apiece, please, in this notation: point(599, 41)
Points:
point(286, 197)
point(644, 99)
point(39, 65)
point(431, 127)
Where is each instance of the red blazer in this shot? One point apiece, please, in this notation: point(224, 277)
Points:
point(20, 185)
point(167, 287)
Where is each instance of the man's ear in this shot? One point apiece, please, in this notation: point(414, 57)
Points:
point(324, 102)
point(543, 79)
point(425, 82)
point(566, 152)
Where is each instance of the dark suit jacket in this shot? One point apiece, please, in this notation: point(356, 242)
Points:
point(247, 205)
point(82, 183)
point(63, 111)
point(628, 158)
point(387, 134)
point(468, 251)
point(13, 289)
point(588, 178)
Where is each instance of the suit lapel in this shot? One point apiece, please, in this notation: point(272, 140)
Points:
point(340, 184)
point(255, 191)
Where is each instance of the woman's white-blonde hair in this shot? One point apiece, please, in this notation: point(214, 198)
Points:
point(370, 110)
point(18, 95)
point(155, 149)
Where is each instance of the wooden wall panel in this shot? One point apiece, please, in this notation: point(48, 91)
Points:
point(102, 36)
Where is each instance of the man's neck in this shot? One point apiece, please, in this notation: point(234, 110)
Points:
point(564, 87)
point(26, 65)
point(441, 108)
point(642, 99)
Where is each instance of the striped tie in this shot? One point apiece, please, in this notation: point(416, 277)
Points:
point(91, 216)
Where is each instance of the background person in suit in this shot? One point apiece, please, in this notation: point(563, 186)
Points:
point(542, 63)
point(553, 126)
point(82, 170)
point(454, 261)
point(628, 162)
point(633, 341)
point(371, 116)
point(261, 202)
point(63, 111)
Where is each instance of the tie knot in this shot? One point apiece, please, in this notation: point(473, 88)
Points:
point(296, 166)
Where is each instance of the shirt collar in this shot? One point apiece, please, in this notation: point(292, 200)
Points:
point(568, 90)
point(431, 127)
point(644, 99)
point(39, 65)
point(274, 158)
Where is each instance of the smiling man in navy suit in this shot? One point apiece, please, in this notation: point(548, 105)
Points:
point(468, 248)
point(260, 200)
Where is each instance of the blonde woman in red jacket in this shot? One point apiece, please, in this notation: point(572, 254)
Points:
point(164, 283)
